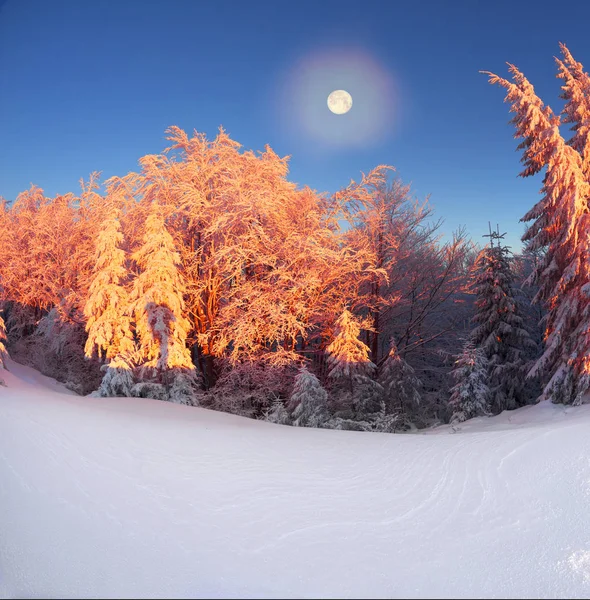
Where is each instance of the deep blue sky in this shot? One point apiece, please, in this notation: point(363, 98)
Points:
point(92, 85)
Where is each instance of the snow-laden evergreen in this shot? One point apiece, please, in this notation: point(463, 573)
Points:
point(107, 308)
point(401, 386)
point(107, 311)
point(500, 330)
point(183, 387)
point(117, 380)
point(573, 386)
point(277, 413)
point(350, 369)
point(158, 307)
point(308, 402)
point(470, 396)
point(348, 356)
point(560, 222)
point(576, 112)
point(384, 421)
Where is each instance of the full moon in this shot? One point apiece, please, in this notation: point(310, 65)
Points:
point(339, 102)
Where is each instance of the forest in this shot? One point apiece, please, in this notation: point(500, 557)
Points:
point(207, 278)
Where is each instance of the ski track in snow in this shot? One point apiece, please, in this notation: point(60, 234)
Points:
point(132, 497)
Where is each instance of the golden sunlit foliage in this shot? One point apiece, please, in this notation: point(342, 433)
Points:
point(208, 258)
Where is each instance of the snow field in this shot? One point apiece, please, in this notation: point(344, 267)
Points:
point(127, 497)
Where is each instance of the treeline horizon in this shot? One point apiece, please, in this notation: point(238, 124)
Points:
point(207, 277)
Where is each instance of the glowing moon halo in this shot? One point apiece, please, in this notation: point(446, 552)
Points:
point(339, 102)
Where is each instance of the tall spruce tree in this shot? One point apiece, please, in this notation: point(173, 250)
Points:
point(401, 387)
point(107, 311)
point(157, 301)
point(500, 330)
point(349, 364)
point(308, 402)
point(470, 396)
point(576, 112)
point(573, 381)
point(348, 356)
point(560, 225)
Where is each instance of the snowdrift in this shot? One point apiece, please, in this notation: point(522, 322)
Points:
point(139, 498)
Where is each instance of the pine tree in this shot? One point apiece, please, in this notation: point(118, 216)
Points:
point(348, 356)
point(348, 362)
point(183, 387)
point(384, 421)
point(560, 226)
point(470, 396)
point(157, 301)
point(570, 383)
point(3, 340)
point(500, 330)
point(308, 402)
point(400, 384)
point(107, 311)
point(277, 413)
point(118, 378)
point(576, 112)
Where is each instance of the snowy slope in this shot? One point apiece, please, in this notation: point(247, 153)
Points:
point(131, 497)
point(27, 377)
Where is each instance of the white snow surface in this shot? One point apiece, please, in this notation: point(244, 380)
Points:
point(125, 498)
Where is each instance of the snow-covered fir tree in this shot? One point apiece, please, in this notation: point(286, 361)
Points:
point(559, 226)
point(107, 311)
point(348, 356)
point(183, 387)
point(572, 381)
point(500, 330)
point(308, 402)
point(349, 363)
point(576, 112)
point(157, 301)
point(523, 264)
point(401, 386)
point(118, 378)
point(385, 421)
point(277, 413)
point(470, 396)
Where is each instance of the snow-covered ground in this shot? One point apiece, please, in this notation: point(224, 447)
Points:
point(138, 498)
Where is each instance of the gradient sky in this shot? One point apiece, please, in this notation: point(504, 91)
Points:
point(92, 85)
